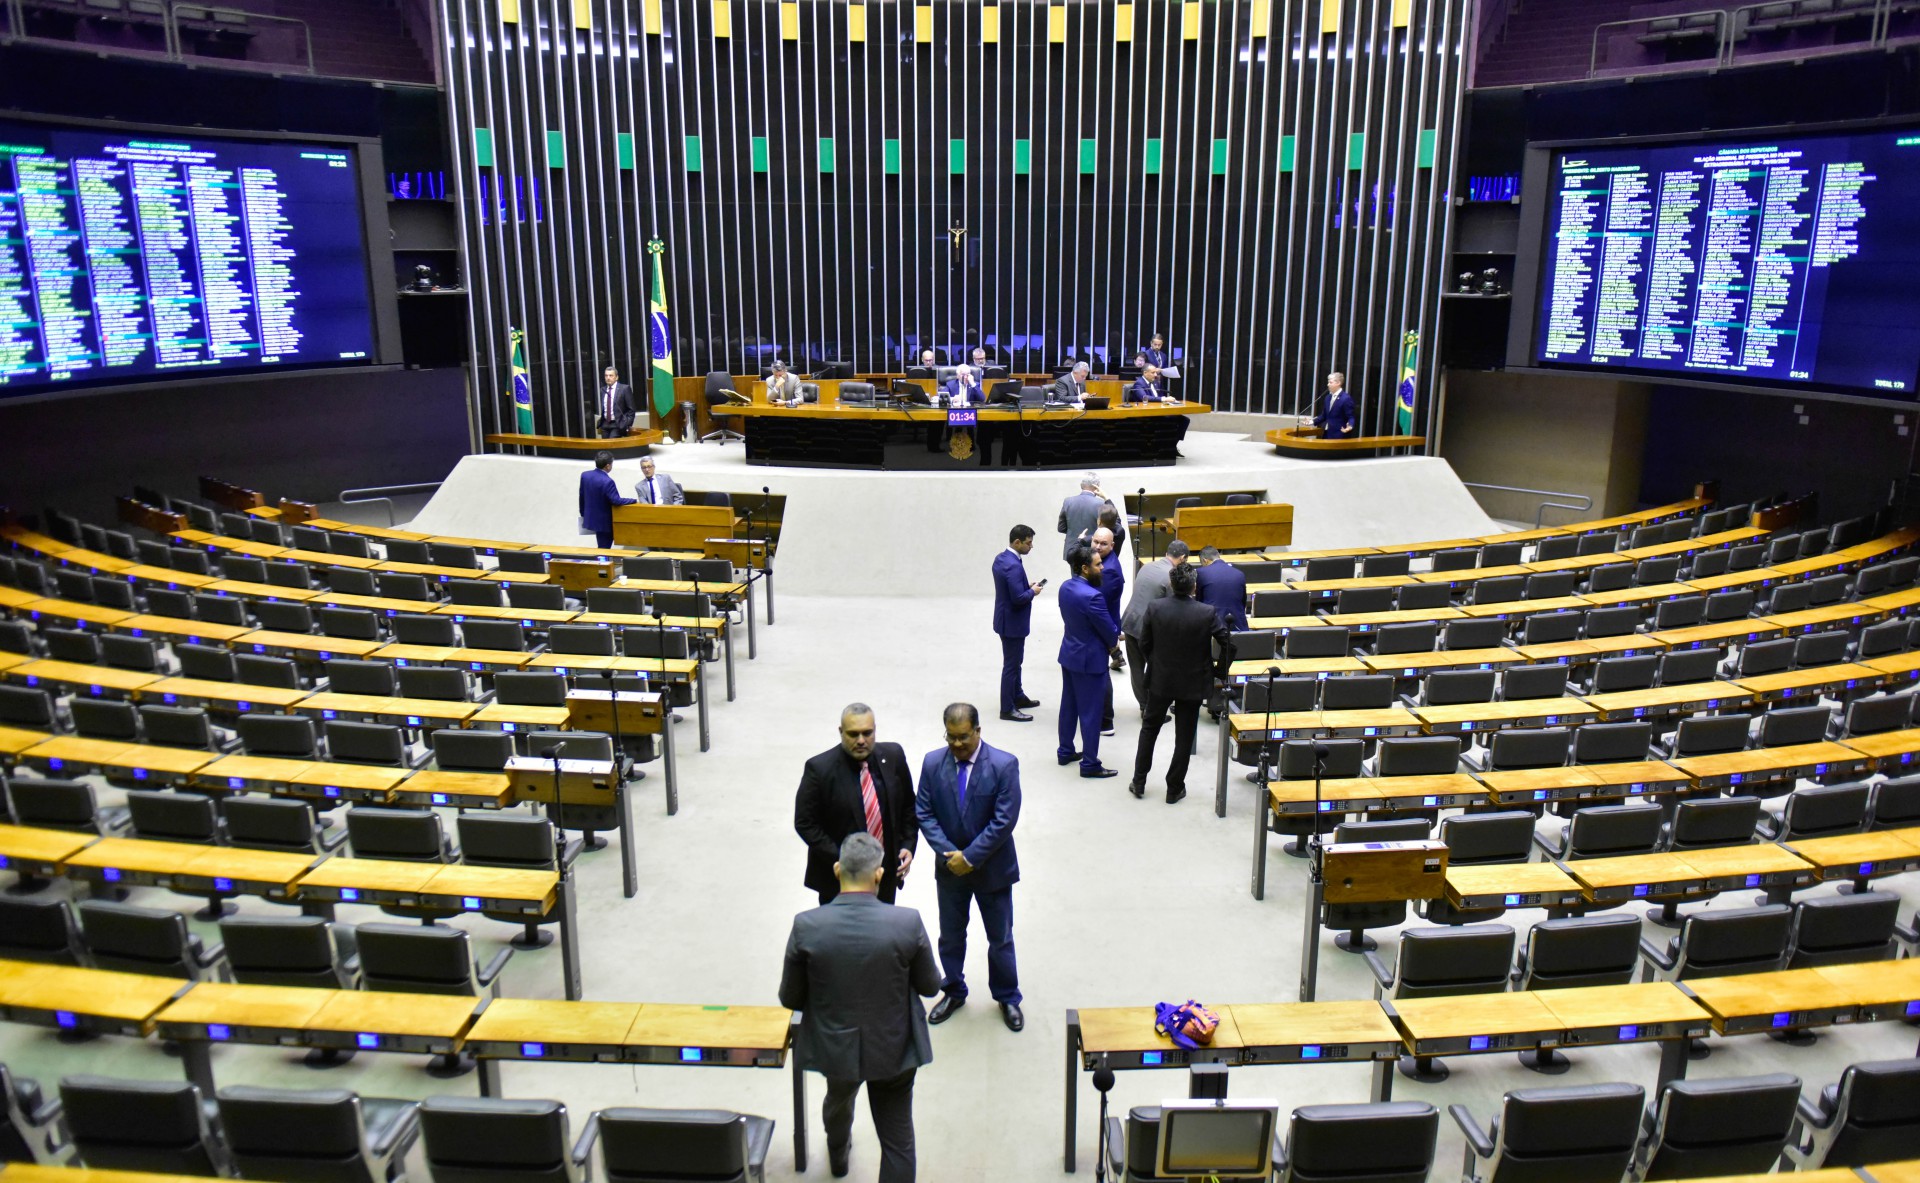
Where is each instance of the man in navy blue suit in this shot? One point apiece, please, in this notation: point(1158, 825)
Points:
point(598, 495)
point(1146, 388)
point(1084, 652)
point(1156, 353)
point(1337, 419)
point(963, 389)
point(1224, 586)
point(1013, 620)
point(968, 803)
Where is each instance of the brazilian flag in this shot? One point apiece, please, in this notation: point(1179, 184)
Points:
point(1410, 349)
point(518, 387)
point(662, 332)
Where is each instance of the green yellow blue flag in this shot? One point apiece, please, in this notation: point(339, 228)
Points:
point(662, 332)
point(1409, 353)
point(519, 388)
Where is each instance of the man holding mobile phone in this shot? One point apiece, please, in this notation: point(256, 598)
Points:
point(1012, 620)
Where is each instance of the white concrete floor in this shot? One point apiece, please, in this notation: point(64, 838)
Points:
point(1123, 902)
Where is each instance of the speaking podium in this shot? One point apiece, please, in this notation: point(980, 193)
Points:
point(577, 575)
point(1364, 873)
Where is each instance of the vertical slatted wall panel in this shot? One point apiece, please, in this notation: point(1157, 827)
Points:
point(1242, 175)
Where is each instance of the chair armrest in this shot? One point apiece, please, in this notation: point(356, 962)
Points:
point(1279, 1157)
point(1477, 1140)
point(118, 819)
point(1811, 1113)
point(332, 840)
point(571, 852)
point(491, 970)
point(1655, 954)
point(1908, 934)
point(1116, 1148)
point(1553, 850)
point(1769, 827)
point(1381, 974)
point(47, 1111)
point(583, 1145)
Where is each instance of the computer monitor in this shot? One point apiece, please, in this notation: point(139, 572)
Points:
point(919, 371)
point(1129, 373)
point(1094, 402)
point(830, 370)
point(1224, 1139)
point(1005, 391)
point(992, 371)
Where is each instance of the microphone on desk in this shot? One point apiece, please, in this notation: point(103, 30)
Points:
point(619, 741)
point(1103, 1081)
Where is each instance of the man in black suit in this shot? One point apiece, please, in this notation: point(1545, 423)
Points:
point(1176, 642)
point(614, 406)
point(852, 970)
point(859, 787)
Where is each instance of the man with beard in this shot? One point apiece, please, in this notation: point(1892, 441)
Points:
point(1084, 653)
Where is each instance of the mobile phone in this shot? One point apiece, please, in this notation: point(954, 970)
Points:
point(1043, 583)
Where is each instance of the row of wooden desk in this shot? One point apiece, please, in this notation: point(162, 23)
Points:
point(1381, 1031)
point(315, 883)
point(202, 1016)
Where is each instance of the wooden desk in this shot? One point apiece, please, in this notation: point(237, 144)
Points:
point(1591, 649)
point(1366, 622)
point(475, 888)
point(367, 881)
point(240, 773)
point(1413, 665)
point(12, 598)
point(1860, 856)
point(1744, 631)
point(195, 632)
point(533, 618)
point(73, 755)
point(1717, 541)
point(1361, 794)
point(1639, 595)
point(14, 740)
point(1123, 1037)
point(225, 1012)
point(496, 716)
point(1773, 1001)
point(1762, 577)
point(1313, 1032)
point(1474, 1023)
point(478, 660)
point(1583, 562)
point(1309, 444)
point(1519, 609)
point(301, 646)
point(376, 708)
point(1512, 885)
point(1890, 750)
point(376, 1020)
point(220, 697)
point(26, 1172)
point(69, 677)
point(384, 605)
point(462, 790)
point(1881, 989)
point(83, 1000)
point(1253, 671)
point(1463, 717)
point(130, 862)
point(1283, 725)
point(683, 527)
point(1464, 576)
point(332, 780)
point(1282, 625)
point(1529, 786)
point(1762, 765)
point(1625, 1014)
point(261, 591)
point(51, 609)
point(1328, 589)
point(31, 851)
point(1635, 876)
point(1667, 700)
point(1762, 865)
point(1898, 667)
point(1812, 620)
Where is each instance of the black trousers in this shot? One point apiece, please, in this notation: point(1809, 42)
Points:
point(1137, 671)
point(891, 1103)
point(1186, 715)
point(608, 429)
point(603, 537)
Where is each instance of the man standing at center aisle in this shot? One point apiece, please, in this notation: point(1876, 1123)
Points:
point(1113, 582)
point(968, 804)
point(1178, 641)
point(1013, 621)
point(1080, 514)
point(858, 786)
point(1084, 651)
point(598, 495)
point(1150, 583)
point(852, 970)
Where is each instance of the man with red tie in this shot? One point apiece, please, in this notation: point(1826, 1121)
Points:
point(858, 786)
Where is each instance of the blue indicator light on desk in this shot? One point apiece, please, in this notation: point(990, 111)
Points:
point(439, 798)
point(1913, 1010)
point(1636, 788)
point(690, 1055)
point(218, 1032)
point(413, 720)
point(259, 648)
point(474, 665)
point(1630, 1031)
point(245, 706)
point(1552, 719)
point(111, 874)
point(1712, 702)
point(329, 714)
point(234, 782)
point(1906, 757)
point(1866, 869)
point(1429, 800)
point(1477, 1043)
point(349, 894)
point(1819, 769)
point(64, 1018)
point(367, 1039)
point(1539, 794)
point(509, 727)
point(222, 884)
point(1787, 693)
point(1736, 778)
point(470, 902)
point(1407, 673)
point(1783, 1019)
point(1639, 711)
point(170, 699)
point(1152, 1059)
point(1753, 881)
point(533, 1051)
point(1370, 731)
point(56, 763)
point(1326, 807)
point(1513, 901)
point(5, 862)
point(1310, 1051)
point(1639, 891)
point(331, 791)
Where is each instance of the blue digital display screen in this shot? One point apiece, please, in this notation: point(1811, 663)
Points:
point(349, 894)
point(1513, 901)
point(1477, 1043)
point(470, 902)
point(1151, 1058)
point(1310, 1052)
point(1783, 1019)
point(64, 1018)
point(218, 1031)
point(1639, 891)
point(367, 1039)
point(1630, 1031)
point(690, 1055)
point(533, 1051)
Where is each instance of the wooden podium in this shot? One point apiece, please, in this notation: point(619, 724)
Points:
point(633, 712)
point(672, 527)
point(577, 575)
point(577, 782)
point(1377, 872)
point(1234, 527)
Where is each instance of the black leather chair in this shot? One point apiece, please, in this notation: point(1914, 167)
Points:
point(1280, 602)
point(40, 929)
point(1576, 951)
point(1361, 692)
point(1616, 621)
point(354, 624)
point(416, 628)
point(304, 951)
point(1501, 554)
point(1611, 674)
point(458, 749)
point(61, 805)
point(1317, 642)
point(1518, 682)
point(630, 601)
point(440, 683)
point(407, 550)
point(1452, 687)
point(1872, 1115)
point(277, 823)
point(1704, 822)
point(508, 635)
point(1731, 1126)
point(1549, 628)
point(33, 1130)
point(683, 1145)
point(1481, 839)
point(1255, 644)
point(1610, 577)
point(1132, 1149)
point(1419, 597)
point(152, 941)
point(1612, 743)
point(1473, 959)
point(373, 678)
point(292, 736)
point(1793, 725)
point(105, 718)
point(1383, 1143)
point(547, 596)
point(1688, 666)
point(142, 1125)
point(1881, 712)
point(398, 585)
point(1708, 735)
point(520, 841)
point(25, 706)
point(1544, 747)
point(1715, 944)
point(1608, 831)
point(493, 1140)
point(206, 662)
point(1894, 804)
point(409, 835)
point(1843, 929)
point(1820, 811)
point(1473, 634)
point(1294, 760)
point(429, 959)
point(319, 1136)
point(720, 392)
point(1583, 1134)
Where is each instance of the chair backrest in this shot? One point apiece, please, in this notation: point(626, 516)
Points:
point(1794, 725)
point(34, 928)
point(1414, 637)
point(650, 1144)
point(1391, 1142)
point(639, 641)
point(1374, 566)
point(1790, 597)
point(443, 683)
point(1894, 804)
point(506, 840)
point(104, 718)
point(1444, 687)
point(1500, 589)
point(417, 628)
point(1664, 569)
point(1421, 596)
point(361, 677)
point(458, 749)
point(1560, 546)
point(1598, 544)
point(1840, 929)
point(1281, 603)
point(1543, 747)
point(707, 570)
point(1582, 951)
point(366, 743)
point(1550, 584)
point(1625, 673)
point(1708, 562)
point(352, 581)
point(1318, 642)
point(1829, 589)
point(1615, 621)
point(1330, 567)
point(649, 567)
point(1733, 604)
point(1710, 734)
point(138, 940)
point(1474, 634)
point(420, 959)
point(283, 616)
point(258, 669)
point(112, 593)
point(66, 644)
point(673, 603)
point(1611, 743)
point(1282, 694)
point(218, 609)
point(1820, 811)
point(1518, 682)
point(140, 1125)
point(1455, 560)
point(1746, 556)
point(509, 635)
point(1254, 644)
point(278, 735)
point(1500, 554)
point(1828, 648)
point(407, 550)
point(271, 823)
point(355, 624)
point(17, 637)
point(530, 688)
point(1343, 758)
point(1684, 612)
point(1476, 839)
point(1548, 628)
point(1876, 640)
point(351, 545)
point(1469, 959)
point(1882, 712)
point(284, 951)
point(586, 640)
point(177, 727)
point(453, 554)
point(1412, 829)
point(412, 835)
point(629, 600)
point(1876, 1114)
point(1605, 831)
point(494, 1140)
point(1609, 577)
point(242, 567)
point(1713, 821)
point(1735, 941)
point(1558, 1134)
point(1364, 599)
point(1361, 692)
point(1424, 755)
point(52, 804)
point(313, 1135)
point(398, 585)
point(174, 817)
point(1731, 1126)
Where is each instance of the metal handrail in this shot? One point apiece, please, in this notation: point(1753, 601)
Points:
point(1720, 27)
point(1882, 13)
point(173, 23)
point(175, 50)
point(1585, 501)
point(352, 496)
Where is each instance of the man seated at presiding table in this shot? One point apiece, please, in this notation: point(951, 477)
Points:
point(783, 389)
point(963, 389)
point(1071, 386)
point(1147, 388)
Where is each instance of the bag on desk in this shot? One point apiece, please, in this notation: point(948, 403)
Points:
point(1187, 1023)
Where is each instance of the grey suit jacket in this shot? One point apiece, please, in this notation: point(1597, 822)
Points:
point(669, 490)
point(1080, 514)
point(783, 388)
point(853, 968)
point(1152, 582)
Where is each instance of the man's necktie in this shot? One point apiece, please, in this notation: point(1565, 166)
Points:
point(960, 785)
point(871, 800)
point(653, 498)
point(609, 413)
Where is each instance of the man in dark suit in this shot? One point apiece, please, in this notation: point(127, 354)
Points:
point(852, 970)
point(858, 787)
point(1071, 386)
point(1080, 513)
point(1146, 388)
point(1224, 586)
point(1337, 419)
point(1150, 583)
point(598, 496)
point(657, 488)
point(1013, 620)
point(968, 804)
point(963, 389)
point(1084, 652)
point(1113, 585)
point(1156, 353)
point(614, 406)
point(1177, 640)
